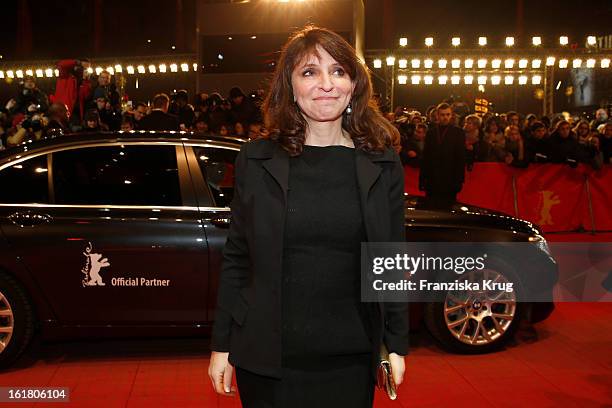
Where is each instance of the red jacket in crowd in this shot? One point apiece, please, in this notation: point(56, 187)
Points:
point(71, 87)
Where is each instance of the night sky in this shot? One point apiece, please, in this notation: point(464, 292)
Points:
point(65, 28)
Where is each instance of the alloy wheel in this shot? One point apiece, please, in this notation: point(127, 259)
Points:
point(480, 317)
point(7, 322)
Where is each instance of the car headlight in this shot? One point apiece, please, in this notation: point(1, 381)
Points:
point(541, 243)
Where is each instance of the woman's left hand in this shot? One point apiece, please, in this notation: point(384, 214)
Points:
point(398, 367)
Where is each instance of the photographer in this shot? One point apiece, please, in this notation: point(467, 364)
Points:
point(109, 116)
point(30, 99)
point(25, 128)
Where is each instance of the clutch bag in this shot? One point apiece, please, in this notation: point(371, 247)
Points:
point(384, 378)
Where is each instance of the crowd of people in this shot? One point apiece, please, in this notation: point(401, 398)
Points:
point(84, 102)
point(510, 137)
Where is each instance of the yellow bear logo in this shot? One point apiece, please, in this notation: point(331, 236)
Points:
point(549, 199)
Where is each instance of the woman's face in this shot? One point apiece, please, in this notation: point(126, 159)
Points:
point(321, 87)
point(493, 127)
point(583, 130)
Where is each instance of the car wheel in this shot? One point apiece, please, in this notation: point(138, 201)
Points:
point(476, 321)
point(16, 320)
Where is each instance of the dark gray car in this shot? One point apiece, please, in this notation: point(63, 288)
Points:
point(120, 234)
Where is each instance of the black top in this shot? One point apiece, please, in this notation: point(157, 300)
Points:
point(321, 310)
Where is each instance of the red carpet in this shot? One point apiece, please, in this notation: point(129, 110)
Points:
point(564, 361)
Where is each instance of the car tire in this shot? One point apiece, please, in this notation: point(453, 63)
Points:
point(16, 315)
point(468, 330)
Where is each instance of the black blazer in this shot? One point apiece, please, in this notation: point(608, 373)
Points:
point(248, 314)
point(158, 120)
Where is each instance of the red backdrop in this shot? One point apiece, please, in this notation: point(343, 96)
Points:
point(553, 196)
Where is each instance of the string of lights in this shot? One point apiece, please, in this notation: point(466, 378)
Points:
point(444, 79)
point(468, 71)
point(591, 41)
point(129, 69)
point(482, 65)
point(427, 62)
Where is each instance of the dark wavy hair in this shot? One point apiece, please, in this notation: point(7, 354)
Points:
point(370, 131)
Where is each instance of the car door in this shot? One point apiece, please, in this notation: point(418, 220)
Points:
point(120, 241)
point(212, 169)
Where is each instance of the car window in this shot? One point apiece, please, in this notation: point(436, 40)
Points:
point(117, 175)
point(25, 182)
point(217, 165)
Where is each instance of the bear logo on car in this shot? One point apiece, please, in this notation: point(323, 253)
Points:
point(93, 264)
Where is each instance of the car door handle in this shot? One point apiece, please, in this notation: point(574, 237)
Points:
point(29, 218)
point(221, 221)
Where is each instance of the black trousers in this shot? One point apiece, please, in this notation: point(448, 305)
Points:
point(333, 385)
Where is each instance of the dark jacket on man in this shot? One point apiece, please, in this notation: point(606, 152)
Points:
point(443, 164)
point(159, 120)
point(563, 149)
point(248, 313)
point(537, 150)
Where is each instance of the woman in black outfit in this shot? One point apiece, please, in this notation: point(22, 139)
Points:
point(304, 200)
